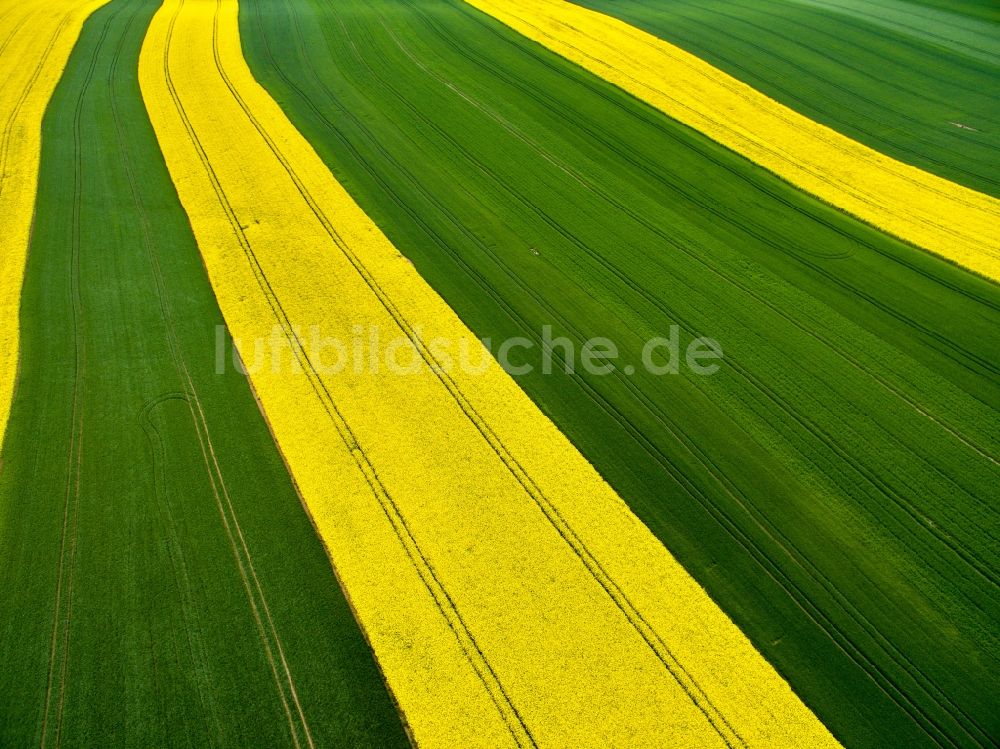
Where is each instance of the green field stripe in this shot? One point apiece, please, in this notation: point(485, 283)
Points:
point(160, 582)
point(984, 10)
point(885, 86)
point(949, 29)
point(832, 485)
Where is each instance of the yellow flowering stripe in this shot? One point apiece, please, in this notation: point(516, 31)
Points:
point(930, 212)
point(510, 596)
point(36, 38)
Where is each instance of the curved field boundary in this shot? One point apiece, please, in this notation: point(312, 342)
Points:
point(36, 39)
point(503, 609)
point(927, 211)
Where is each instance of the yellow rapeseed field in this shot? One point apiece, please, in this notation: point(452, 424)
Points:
point(510, 596)
point(36, 38)
point(933, 213)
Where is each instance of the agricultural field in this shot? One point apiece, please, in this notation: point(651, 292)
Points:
point(932, 213)
point(160, 581)
point(909, 81)
point(486, 373)
point(35, 40)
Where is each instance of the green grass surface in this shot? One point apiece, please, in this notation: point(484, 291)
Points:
point(127, 596)
point(833, 485)
point(891, 74)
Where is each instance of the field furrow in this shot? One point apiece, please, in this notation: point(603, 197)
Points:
point(927, 211)
point(160, 583)
point(509, 595)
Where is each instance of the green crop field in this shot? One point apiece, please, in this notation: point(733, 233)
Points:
point(159, 580)
point(907, 82)
point(833, 486)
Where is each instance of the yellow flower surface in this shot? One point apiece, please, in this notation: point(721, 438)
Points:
point(930, 212)
point(36, 37)
point(511, 598)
